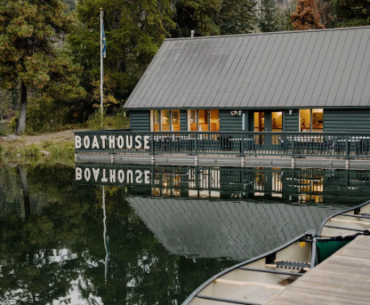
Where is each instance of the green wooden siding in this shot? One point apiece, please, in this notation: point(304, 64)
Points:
point(290, 122)
point(184, 120)
point(229, 122)
point(347, 120)
point(140, 120)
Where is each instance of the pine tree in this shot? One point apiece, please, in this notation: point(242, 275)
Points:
point(267, 20)
point(306, 16)
point(214, 17)
point(352, 13)
point(28, 31)
point(134, 32)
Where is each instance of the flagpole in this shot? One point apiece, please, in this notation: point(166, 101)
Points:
point(101, 65)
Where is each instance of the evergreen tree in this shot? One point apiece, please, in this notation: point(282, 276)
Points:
point(306, 17)
point(213, 17)
point(267, 20)
point(288, 21)
point(28, 33)
point(134, 32)
point(352, 13)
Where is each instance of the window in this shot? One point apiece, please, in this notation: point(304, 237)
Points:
point(215, 120)
point(305, 120)
point(156, 121)
point(161, 120)
point(203, 120)
point(259, 121)
point(276, 121)
point(165, 120)
point(317, 120)
point(175, 120)
point(311, 120)
point(193, 122)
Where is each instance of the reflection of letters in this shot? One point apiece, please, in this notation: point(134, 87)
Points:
point(130, 176)
point(87, 174)
point(103, 175)
point(138, 177)
point(96, 173)
point(78, 173)
point(112, 175)
point(121, 176)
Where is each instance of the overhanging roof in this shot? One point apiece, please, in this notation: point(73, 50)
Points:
point(318, 68)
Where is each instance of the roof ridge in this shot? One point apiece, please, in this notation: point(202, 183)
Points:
point(269, 33)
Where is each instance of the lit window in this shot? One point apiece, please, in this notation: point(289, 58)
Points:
point(175, 120)
point(215, 120)
point(311, 120)
point(317, 120)
point(305, 120)
point(165, 120)
point(193, 122)
point(156, 120)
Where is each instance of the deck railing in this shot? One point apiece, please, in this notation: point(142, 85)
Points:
point(294, 144)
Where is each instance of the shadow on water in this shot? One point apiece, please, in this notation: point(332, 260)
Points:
point(99, 234)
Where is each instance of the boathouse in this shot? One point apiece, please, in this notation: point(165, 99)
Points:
point(301, 81)
point(286, 94)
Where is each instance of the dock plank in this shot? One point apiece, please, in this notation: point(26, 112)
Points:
point(344, 278)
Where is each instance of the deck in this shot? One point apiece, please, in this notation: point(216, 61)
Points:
point(344, 278)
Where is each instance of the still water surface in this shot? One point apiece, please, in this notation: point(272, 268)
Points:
point(68, 240)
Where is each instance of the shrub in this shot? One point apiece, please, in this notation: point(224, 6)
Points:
point(118, 121)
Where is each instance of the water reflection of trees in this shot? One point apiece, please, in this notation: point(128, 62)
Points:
point(51, 239)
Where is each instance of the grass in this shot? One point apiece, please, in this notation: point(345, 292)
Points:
point(18, 152)
point(4, 128)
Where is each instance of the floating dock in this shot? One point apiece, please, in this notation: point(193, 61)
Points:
point(344, 278)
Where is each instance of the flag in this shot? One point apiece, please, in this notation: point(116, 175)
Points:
point(104, 43)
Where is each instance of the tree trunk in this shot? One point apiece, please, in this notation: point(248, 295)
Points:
point(23, 110)
point(26, 194)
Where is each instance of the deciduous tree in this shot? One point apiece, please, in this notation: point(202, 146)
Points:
point(306, 17)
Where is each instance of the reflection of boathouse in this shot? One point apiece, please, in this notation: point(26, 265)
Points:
point(300, 185)
point(203, 228)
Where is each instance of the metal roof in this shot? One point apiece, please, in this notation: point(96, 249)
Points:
point(318, 68)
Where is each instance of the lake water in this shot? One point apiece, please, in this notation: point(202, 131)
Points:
point(103, 234)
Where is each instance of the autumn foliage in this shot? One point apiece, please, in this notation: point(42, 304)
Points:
point(306, 17)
